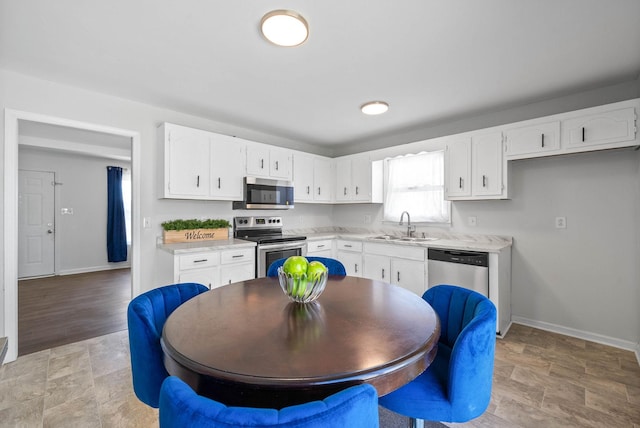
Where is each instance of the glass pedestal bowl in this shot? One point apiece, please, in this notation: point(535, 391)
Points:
point(301, 289)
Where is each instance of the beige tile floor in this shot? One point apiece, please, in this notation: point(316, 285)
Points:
point(541, 379)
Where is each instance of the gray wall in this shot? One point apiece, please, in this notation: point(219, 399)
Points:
point(81, 242)
point(551, 305)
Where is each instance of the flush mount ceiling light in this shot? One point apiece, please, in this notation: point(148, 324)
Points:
point(284, 28)
point(374, 107)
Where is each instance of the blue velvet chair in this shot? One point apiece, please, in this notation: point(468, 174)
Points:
point(335, 266)
point(146, 316)
point(457, 385)
point(181, 407)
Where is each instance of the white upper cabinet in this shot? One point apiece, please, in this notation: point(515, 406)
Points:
point(541, 139)
point(486, 165)
point(227, 167)
point(458, 167)
point(200, 164)
point(268, 162)
point(312, 178)
point(474, 167)
point(185, 154)
point(600, 128)
point(358, 179)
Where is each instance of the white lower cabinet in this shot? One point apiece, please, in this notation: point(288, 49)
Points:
point(350, 254)
point(322, 248)
point(396, 264)
point(212, 268)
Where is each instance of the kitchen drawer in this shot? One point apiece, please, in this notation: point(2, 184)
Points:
point(199, 260)
point(238, 256)
point(349, 245)
point(315, 246)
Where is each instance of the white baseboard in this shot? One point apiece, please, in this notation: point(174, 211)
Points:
point(592, 337)
point(122, 265)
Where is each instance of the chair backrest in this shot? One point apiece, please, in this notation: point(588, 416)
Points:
point(146, 316)
point(467, 342)
point(354, 407)
point(334, 266)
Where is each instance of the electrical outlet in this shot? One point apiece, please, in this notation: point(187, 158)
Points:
point(561, 222)
point(146, 222)
point(472, 221)
point(367, 219)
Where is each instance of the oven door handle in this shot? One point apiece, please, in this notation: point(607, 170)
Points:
point(282, 245)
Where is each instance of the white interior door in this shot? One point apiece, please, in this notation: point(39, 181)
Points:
point(36, 228)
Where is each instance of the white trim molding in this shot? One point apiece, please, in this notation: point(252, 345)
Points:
point(580, 334)
point(10, 227)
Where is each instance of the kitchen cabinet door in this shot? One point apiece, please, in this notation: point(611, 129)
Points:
point(303, 178)
point(236, 273)
point(486, 164)
point(343, 180)
point(352, 262)
point(377, 267)
point(209, 277)
point(227, 168)
point(409, 274)
point(322, 182)
point(458, 167)
point(361, 178)
point(608, 126)
point(280, 164)
point(531, 140)
point(258, 160)
point(186, 161)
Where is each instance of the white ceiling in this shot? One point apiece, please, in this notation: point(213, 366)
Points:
point(432, 61)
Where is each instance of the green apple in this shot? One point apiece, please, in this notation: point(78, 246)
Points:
point(315, 270)
point(295, 266)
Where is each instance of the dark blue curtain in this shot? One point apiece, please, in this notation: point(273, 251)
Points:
point(116, 228)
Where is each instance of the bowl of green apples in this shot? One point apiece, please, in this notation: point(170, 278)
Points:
point(302, 281)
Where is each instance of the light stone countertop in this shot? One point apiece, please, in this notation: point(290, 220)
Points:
point(195, 247)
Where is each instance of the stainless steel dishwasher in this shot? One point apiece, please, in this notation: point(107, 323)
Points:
point(468, 269)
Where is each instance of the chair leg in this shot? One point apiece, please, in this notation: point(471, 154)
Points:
point(416, 423)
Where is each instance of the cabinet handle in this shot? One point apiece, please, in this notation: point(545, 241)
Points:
point(318, 190)
point(460, 185)
point(583, 134)
point(237, 256)
point(356, 267)
point(201, 261)
point(348, 245)
point(276, 165)
point(484, 180)
point(198, 181)
point(321, 246)
point(383, 273)
point(542, 140)
point(308, 190)
point(218, 182)
point(398, 276)
point(229, 282)
point(261, 163)
point(345, 191)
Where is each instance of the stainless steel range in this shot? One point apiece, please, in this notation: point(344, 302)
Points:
point(272, 243)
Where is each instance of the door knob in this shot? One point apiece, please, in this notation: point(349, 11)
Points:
point(49, 231)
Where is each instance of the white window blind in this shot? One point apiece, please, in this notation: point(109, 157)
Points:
point(415, 183)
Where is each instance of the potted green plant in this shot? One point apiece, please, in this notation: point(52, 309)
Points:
point(194, 230)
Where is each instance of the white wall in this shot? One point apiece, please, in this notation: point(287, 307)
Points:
point(81, 242)
point(585, 277)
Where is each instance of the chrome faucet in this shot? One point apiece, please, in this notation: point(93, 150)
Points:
point(410, 229)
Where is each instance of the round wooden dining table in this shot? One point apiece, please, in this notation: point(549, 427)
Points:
point(247, 344)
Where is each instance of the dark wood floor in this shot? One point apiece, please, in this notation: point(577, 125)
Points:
point(65, 309)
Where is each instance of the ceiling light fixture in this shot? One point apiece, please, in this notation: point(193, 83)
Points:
point(284, 28)
point(374, 107)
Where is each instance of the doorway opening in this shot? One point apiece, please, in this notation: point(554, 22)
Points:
point(14, 121)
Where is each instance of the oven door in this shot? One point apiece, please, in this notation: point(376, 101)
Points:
point(268, 253)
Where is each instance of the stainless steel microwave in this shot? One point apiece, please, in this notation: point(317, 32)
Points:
point(265, 194)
